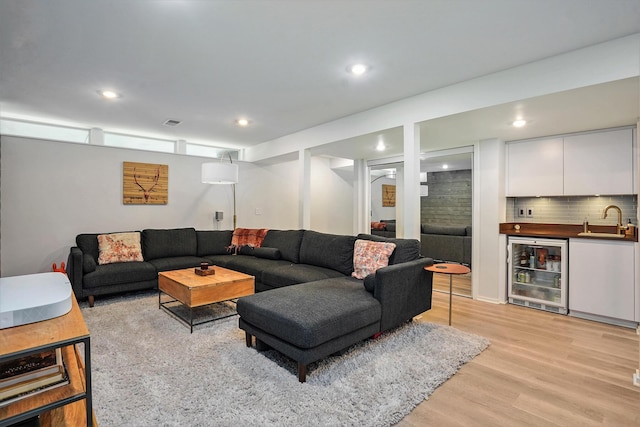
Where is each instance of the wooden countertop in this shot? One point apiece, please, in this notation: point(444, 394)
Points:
point(562, 231)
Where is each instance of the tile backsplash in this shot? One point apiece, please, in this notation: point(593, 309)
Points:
point(572, 210)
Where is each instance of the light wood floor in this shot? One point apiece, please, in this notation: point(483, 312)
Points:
point(541, 369)
point(461, 283)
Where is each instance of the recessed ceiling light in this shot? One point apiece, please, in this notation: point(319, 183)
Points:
point(242, 122)
point(358, 69)
point(519, 123)
point(445, 166)
point(109, 94)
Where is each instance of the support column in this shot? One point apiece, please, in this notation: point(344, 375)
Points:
point(96, 136)
point(361, 197)
point(410, 188)
point(489, 210)
point(304, 197)
point(181, 146)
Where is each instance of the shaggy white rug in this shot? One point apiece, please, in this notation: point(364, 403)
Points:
point(148, 370)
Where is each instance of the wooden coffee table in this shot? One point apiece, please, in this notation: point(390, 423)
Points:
point(192, 290)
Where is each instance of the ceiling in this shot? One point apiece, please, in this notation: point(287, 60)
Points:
point(282, 64)
point(600, 106)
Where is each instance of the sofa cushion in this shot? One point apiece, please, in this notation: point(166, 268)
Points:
point(248, 236)
point(119, 273)
point(442, 247)
point(88, 263)
point(450, 230)
point(252, 265)
point(370, 282)
point(406, 249)
point(293, 274)
point(287, 241)
point(214, 242)
point(88, 244)
point(175, 242)
point(177, 263)
point(328, 250)
point(368, 256)
point(266, 253)
point(119, 247)
point(310, 314)
point(220, 260)
point(245, 250)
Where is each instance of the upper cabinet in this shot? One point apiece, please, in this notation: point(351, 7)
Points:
point(599, 163)
point(534, 168)
point(574, 165)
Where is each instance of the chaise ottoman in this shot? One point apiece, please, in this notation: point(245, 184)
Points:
point(310, 321)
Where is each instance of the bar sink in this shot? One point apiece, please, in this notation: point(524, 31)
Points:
point(602, 235)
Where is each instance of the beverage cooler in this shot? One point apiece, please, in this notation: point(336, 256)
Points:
point(538, 273)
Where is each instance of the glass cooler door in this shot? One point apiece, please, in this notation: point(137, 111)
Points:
point(538, 273)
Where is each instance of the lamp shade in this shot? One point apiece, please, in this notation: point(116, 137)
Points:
point(219, 173)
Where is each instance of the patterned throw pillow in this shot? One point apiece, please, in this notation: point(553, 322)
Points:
point(368, 256)
point(119, 247)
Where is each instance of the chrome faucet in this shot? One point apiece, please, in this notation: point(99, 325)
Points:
point(619, 227)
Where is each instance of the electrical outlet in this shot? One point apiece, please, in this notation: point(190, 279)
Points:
point(530, 212)
point(520, 212)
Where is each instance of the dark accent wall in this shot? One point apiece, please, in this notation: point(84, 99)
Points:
point(449, 199)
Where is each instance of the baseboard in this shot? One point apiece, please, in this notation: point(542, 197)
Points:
point(490, 300)
point(604, 319)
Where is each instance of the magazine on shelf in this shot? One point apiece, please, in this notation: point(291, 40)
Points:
point(26, 368)
point(33, 385)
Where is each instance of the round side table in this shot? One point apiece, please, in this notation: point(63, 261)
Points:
point(449, 269)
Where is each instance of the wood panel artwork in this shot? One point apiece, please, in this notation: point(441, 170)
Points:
point(388, 195)
point(145, 184)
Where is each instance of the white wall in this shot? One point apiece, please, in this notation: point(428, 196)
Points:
point(52, 191)
point(332, 195)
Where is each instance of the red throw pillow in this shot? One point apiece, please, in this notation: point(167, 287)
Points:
point(248, 237)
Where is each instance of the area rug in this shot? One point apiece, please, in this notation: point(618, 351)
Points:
point(148, 370)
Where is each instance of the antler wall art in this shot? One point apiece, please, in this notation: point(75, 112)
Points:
point(145, 184)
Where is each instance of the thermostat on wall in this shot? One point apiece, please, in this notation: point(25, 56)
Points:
point(33, 298)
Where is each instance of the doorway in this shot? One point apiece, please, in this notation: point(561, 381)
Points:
point(446, 213)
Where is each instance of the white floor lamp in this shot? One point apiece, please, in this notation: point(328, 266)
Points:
point(222, 173)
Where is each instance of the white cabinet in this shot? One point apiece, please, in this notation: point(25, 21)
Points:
point(601, 280)
point(535, 168)
point(598, 163)
point(573, 165)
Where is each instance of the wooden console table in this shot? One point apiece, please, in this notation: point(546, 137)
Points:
point(59, 406)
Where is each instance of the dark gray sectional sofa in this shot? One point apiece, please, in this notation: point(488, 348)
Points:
point(313, 307)
point(450, 243)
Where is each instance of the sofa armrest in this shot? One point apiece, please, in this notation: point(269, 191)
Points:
point(74, 271)
point(404, 291)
